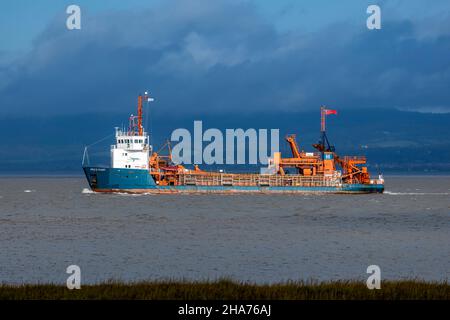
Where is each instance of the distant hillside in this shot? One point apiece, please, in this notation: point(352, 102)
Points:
point(394, 141)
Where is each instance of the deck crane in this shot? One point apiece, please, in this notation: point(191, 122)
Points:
point(305, 163)
point(293, 144)
point(351, 170)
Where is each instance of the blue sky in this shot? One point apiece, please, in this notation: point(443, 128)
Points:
point(22, 20)
point(222, 56)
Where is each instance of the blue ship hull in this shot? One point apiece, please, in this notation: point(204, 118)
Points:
point(140, 181)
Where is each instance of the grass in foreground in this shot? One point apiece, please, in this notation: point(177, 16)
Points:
point(228, 289)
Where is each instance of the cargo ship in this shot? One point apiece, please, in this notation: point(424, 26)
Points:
point(136, 168)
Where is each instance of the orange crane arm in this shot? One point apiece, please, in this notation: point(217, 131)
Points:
point(293, 144)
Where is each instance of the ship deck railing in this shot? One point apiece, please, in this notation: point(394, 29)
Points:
point(263, 180)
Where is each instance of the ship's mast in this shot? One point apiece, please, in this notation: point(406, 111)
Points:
point(323, 134)
point(322, 119)
point(140, 129)
point(324, 143)
point(322, 128)
point(146, 97)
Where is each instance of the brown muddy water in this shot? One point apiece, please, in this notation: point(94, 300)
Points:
point(47, 224)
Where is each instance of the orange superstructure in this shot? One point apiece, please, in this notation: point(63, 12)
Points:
point(324, 163)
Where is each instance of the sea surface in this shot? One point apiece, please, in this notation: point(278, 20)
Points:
point(47, 224)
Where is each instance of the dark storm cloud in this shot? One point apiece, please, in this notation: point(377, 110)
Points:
point(214, 56)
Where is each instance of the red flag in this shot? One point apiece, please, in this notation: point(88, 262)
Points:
point(329, 111)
